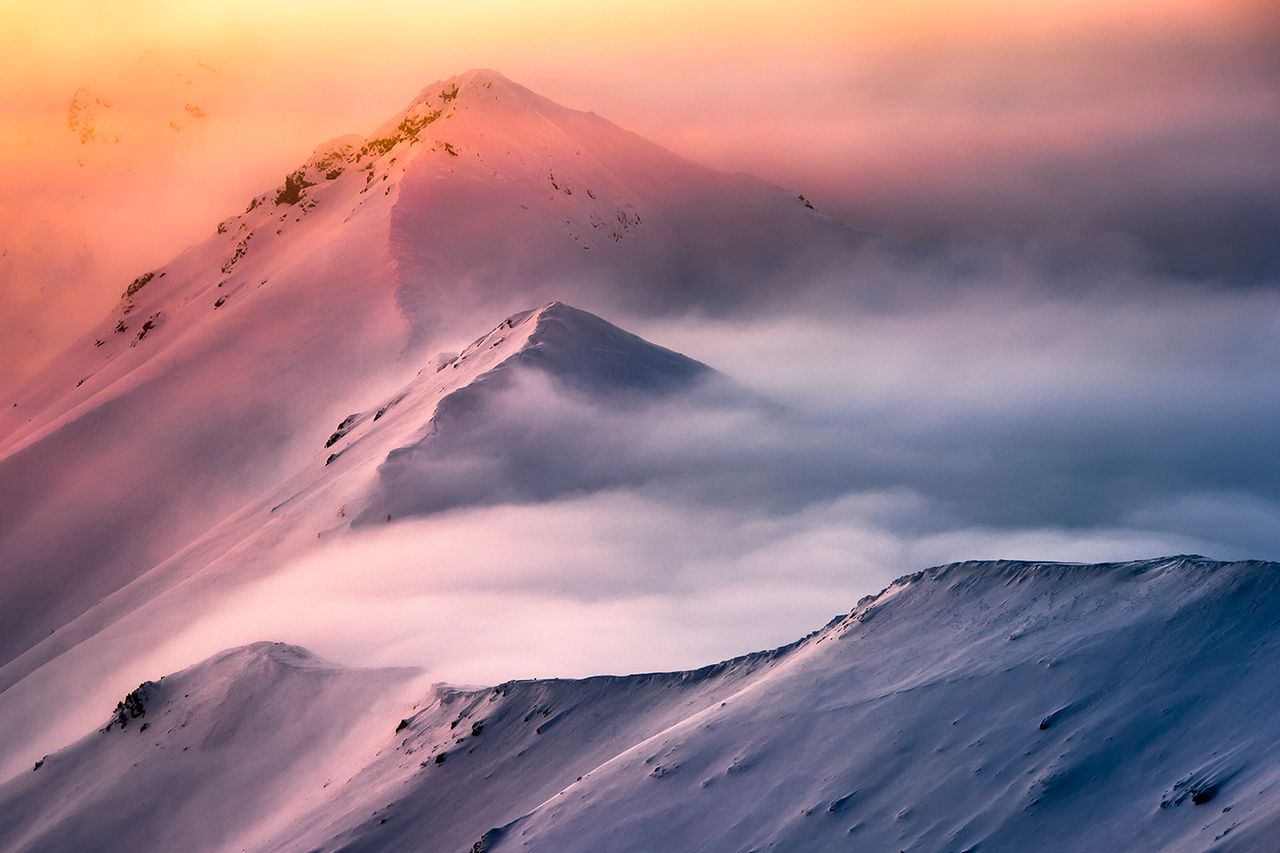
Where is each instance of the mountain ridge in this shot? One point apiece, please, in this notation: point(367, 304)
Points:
point(929, 733)
point(330, 288)
point(380, 463)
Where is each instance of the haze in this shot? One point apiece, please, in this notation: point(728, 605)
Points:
point(1143, 131)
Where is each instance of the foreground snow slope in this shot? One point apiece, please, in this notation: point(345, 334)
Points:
point(207, 758)
point(977, 706)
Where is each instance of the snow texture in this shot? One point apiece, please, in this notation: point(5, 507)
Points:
point(976, 706)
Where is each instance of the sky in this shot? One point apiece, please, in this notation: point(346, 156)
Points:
point(1143, 131)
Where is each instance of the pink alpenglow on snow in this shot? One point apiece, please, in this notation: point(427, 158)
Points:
point(411, 505)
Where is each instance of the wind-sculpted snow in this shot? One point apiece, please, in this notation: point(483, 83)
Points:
point(976, 706)
point(997, 706)
point(204, 759)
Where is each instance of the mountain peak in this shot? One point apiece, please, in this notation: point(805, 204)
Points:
point(481, 88)
point(438, 418)
point(476, 76)
point(483, 76)
point(590, 353)
point(975, 576)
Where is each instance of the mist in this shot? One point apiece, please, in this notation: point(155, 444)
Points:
point(1058, 340)
point(553, 534)
point(1067, 130)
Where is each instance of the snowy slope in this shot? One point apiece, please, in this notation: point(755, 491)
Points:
point(543, 202)
point(998, 706)
point(977, 706)
point(381, 462)
point(205, 758)
point(211, 380)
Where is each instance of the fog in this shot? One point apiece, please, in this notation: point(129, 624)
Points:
point(555, 534)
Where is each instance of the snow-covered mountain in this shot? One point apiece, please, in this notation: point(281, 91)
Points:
point(385, 462)
point(272, 717)
point(289, 384)
point(212, 380)
point(277, 385)
point(998, 706)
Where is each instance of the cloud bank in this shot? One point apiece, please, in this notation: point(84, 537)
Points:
point(552, 535)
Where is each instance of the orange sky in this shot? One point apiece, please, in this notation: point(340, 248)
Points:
point(197, 105)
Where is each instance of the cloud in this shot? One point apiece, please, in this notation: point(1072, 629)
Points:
point(1146, 140)
point(555, 535)
point(1014, 409)
point(607, 583)
point(548, 534)
point(1001, 409)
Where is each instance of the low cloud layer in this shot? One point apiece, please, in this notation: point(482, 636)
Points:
point(561, 537)
point(612, 582)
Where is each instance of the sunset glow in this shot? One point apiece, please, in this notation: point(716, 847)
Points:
point(691, 425)
point(209, 100)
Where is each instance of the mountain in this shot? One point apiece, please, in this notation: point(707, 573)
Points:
point(977, 706)
point(214, 377)
point(297, 714)
point(462, 431)
point(584, 356)
point(284, 398)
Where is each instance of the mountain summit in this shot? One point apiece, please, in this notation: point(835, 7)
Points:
point(201, 390)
